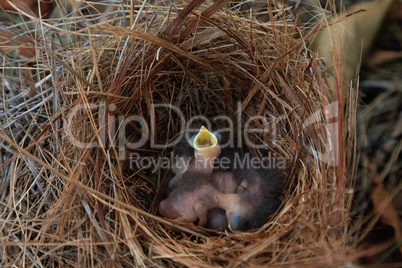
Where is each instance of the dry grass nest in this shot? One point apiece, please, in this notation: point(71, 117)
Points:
point(64, 204)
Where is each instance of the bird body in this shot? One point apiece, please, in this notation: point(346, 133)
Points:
point(217, 219)
point(190, 199)
point(260, 186)
point(263, 192)
point(224, 181)
point(195, 195)
point(238, 198)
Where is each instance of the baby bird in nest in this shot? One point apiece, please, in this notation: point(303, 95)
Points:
point(262, 187)
point(196, 154)
point(196, 194)
point(235, 198)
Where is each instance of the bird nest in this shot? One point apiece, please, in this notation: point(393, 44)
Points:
point(82, 143)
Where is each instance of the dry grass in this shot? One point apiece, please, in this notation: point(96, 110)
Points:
point(62, 205)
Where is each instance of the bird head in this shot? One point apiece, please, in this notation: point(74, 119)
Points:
point(240, 213)
point(241, 217)
point(206, 150)
point(239, 223)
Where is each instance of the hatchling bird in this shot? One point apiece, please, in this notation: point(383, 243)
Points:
point(195, 195)
point(235, 197)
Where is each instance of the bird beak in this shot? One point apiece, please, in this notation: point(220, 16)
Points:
point(230, 228)
point(206, 150)
point(205, 139)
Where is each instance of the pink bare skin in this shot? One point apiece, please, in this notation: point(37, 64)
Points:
point(224, 181)
point(194, 195)
point(236, 209)
point(189, 205)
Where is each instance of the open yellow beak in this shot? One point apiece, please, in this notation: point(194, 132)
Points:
point(205, 139)
point(206, 151)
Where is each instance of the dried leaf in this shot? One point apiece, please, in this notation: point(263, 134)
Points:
point(354, 33)
point(395, 12)
point(12, 44)
point(382, 56)
point(382, 202)
point(29, 6)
